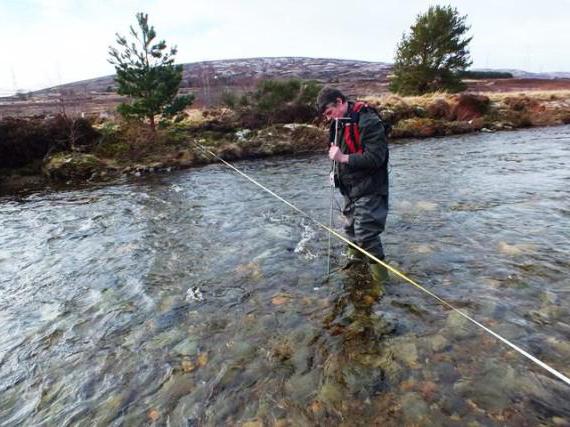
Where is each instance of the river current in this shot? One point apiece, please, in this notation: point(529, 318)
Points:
point(194, 298)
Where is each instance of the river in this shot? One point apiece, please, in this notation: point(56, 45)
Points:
point(194, 298)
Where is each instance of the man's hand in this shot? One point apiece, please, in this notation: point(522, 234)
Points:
point(336, 155)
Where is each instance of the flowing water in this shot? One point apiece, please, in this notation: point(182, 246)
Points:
point(196, 299)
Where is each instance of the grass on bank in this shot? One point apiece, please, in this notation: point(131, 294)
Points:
point(239, 133)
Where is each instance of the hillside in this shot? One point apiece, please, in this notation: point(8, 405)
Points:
point(208, 80)
point(246, 72)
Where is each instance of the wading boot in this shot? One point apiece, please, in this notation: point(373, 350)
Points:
point(353, 258)
point(380, 276)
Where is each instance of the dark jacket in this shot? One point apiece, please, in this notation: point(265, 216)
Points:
point(367, 172)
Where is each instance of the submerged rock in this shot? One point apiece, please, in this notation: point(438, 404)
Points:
point(436, 342)
point(457, 326)
point(414, 407)
point(302, 387)
point(493, 389)
point(515, 249)
point(330, 393)
point(188, 347)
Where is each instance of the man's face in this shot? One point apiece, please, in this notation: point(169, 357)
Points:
point(335, 110)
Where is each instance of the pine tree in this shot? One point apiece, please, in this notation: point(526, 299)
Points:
point(146, 73)
point(433, 55)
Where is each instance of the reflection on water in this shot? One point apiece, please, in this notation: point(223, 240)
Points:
point(194, 299)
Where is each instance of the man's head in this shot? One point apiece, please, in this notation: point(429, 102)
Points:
point(331, 103)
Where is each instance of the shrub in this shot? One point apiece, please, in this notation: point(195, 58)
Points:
point(130, 140)
point(439, 109)
point(485, 75)
point(395, 109)
point(521, 119)
point(25, 140)
point(520, 103)
point(470, 106)
point(243, 100)
point(282, 101)
point(229, 99)
point(71, 132)
point(22, 141)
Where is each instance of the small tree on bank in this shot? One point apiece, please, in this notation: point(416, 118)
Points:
point(433, 55)
point(147, 74)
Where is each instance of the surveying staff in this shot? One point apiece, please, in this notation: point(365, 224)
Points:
point(361, 173)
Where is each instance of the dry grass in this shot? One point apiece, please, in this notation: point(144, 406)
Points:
point(538, 95)
point(425, 100)
point(421, 101)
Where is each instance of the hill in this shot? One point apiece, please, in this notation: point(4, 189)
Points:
point(208, 80)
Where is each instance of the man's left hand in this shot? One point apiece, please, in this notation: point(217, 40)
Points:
point(336, 155)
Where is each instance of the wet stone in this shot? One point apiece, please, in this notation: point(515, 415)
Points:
point(244, 350)
point(414, 407)
point(454, 406)
point(188, 347)
point(164, 340)
point(457, 326)
point(363, 381)
point(447, 373)
point(302, 387)
point(562, 422)
point(559, 346)
point(436, 342)
point(301, 359)
point(406, 352)
point(493, 388)
point(330, 393)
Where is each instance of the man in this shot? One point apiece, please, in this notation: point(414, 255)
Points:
point(361, 173)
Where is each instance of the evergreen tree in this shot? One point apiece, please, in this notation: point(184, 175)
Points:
point(433, 55)
point(146, 73)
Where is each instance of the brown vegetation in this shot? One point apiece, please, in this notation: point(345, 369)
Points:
point(23, 141)
point(84, 149)
point(469, 106)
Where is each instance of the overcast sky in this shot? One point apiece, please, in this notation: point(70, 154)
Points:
point(50, 42)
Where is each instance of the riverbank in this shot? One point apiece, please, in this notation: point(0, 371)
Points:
point(106, 149)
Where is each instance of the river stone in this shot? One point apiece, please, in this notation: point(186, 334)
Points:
point(561, 347)
point(188, 347)
point(362, 380)
point(509, 330)
point(414, 407)
point(407, 353)
point(454, 405)
point(164, 340)
point(447, 373)
point(301, 358)
point(548, 297)
point(302, 387)
point(437, 342)
point(244, 350)
point(457, 326)
point(330, 393)
point(493, 388)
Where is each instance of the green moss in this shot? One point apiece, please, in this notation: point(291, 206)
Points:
point(71, 166)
